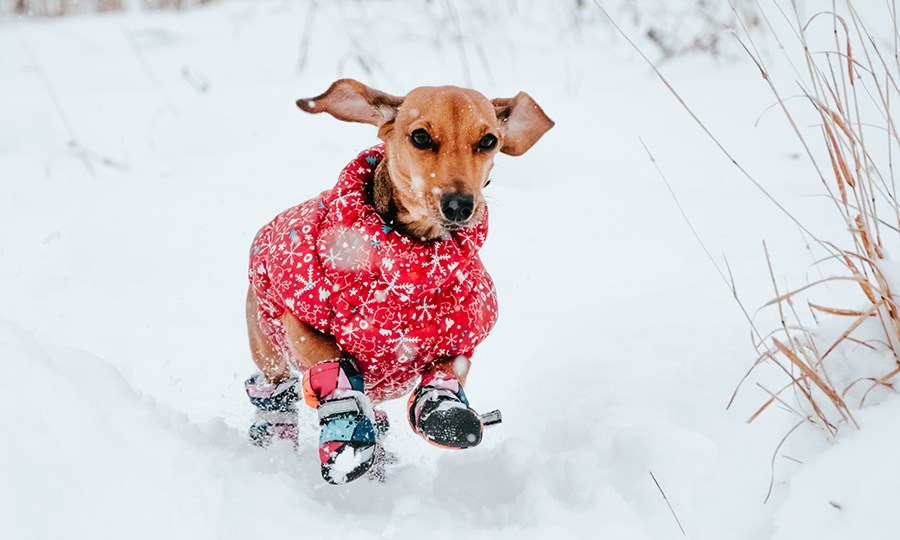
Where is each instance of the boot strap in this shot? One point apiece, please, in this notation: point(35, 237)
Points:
point(339, 407)
point(491, 418)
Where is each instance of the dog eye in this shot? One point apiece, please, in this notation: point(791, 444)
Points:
point(421, 139)
point(488, 142)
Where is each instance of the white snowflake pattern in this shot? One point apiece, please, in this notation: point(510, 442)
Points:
point(392, 285)
point(436, 263)
point(343, 200)
point(350, 332)
point(406, 347)
point(308, 283)
point(424, 306)
point(365, 302)
point(333, 258)
point(293, 250)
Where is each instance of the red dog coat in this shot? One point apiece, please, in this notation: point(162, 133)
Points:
point(393, 303)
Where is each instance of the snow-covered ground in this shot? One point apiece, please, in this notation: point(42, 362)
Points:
point(123, 273)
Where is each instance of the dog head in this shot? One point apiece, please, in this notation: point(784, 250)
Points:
point(440, 144)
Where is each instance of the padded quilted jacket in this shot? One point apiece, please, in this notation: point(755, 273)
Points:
point(394, 303)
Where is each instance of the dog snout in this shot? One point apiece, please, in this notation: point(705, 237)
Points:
point(457, 206)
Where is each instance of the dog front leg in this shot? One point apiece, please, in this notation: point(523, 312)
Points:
point(457, 368)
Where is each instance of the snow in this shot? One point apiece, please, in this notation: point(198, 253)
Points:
point(347, 461)
point(619, 345)
point(847, 491)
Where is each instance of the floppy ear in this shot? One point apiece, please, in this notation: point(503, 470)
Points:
point(522, 122)
point(352, 101)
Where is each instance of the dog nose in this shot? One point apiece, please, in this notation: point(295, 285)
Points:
point(457, 206)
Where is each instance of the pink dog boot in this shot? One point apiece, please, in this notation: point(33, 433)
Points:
point(276, 410)
point(348, 445)
point(440, 413)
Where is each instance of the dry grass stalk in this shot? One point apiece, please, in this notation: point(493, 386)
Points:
point(834, 311)
point(861, 186)
point(808, 372)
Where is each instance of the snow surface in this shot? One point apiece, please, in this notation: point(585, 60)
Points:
point(122, 338)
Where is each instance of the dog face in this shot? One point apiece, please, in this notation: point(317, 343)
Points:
point(440, 144)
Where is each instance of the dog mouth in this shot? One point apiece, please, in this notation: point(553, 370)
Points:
point(453, 226)
point(439, 227)
point(437, 218)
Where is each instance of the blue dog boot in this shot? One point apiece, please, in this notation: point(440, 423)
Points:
point(348, 445)
point(276, 410)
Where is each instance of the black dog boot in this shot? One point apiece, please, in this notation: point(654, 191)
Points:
point(440, 413)
point(276, 410)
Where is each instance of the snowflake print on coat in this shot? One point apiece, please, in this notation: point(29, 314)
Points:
point(394, 303)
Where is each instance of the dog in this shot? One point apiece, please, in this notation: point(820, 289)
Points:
point(377, 283)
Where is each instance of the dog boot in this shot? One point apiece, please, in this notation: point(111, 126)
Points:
point(440, 413)
point(347, 441)
point(276, 410)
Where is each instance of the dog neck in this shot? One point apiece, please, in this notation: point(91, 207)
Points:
point(383, 197)
point(381, 193)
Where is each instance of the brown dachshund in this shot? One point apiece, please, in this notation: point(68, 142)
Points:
point(426, 186)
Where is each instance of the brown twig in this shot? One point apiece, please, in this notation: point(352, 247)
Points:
point(668, 503)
